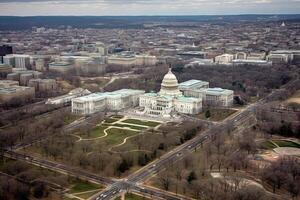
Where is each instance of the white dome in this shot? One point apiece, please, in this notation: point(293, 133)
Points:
point(169, 85)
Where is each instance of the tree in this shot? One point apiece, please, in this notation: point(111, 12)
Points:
point(124, 166)
point(165, 180)
point(40, 190)
point(191, 177)
point(249, 193)
point(207, 114)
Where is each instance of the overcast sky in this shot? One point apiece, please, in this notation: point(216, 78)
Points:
point(147, 7)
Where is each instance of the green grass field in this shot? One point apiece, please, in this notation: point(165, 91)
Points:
point(269, 144)
point(110, 120)
point(130, 126)
point(217, 114)
point(82, 186)
point(286, 143)
point(95, 133)
point(116, 136)
point(87, 195)
point(117, 116)
point(140, 122)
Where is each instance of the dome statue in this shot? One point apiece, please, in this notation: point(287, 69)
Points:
point(169, 85)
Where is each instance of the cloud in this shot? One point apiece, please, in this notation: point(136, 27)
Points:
point(146, 7)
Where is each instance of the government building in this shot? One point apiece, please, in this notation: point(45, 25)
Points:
point(187, 98)
point(169, 100)
point(106, 101)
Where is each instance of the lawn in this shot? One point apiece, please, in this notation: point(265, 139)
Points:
point(268, 145)
point(82, 186)
point(117, 116)
point(281, 143)
point(140, 122)
point(116, 136)
point(94, 133)
point(216, 114)
point(286, 143)
point(87, 195)
point(110, 120)
point(129, 126)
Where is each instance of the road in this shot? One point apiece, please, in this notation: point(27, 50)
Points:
point(59, 168)
point(135, 180)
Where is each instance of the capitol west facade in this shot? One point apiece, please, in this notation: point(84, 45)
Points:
point(169, 100)
point(186, 98)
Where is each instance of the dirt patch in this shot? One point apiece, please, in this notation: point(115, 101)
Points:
point(290, 151)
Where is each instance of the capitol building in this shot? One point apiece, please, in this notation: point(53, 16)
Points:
point(187, 98)
point(169, 100)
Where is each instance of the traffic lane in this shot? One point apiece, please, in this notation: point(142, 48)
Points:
point(188, 146)
point(58, 166)
point(154, 192)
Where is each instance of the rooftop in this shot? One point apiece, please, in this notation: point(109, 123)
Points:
point(192, 82)
point(114, 94)
point(218, 91)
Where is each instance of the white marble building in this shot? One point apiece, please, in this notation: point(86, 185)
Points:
point(211, 96)
point(169, 100)
point(67, 98)
point(107, 101)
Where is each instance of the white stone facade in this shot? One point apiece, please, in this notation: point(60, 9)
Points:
point(211, 96)
point(169, 100)
point(110, 101)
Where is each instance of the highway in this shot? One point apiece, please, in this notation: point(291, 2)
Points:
point(134, 181)
point(59, 168)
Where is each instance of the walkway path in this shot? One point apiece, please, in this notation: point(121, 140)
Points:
point(119, 121)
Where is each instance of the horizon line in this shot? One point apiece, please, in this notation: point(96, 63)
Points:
point(162, 15)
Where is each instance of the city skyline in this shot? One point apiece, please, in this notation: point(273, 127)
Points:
point(145, 7)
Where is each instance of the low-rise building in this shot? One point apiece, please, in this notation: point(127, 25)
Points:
point(224, 59)
point(252, 62)
point(279, 58)
point(61, 67)
point(211, 96)
point(65, 99)
point(8, 83)
point(110, 101)
point(130, 59)
point(4, 70)
point(43, 85)
point(19, 93)
point(218, 97)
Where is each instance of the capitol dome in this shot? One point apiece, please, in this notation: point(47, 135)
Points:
point(169, 85)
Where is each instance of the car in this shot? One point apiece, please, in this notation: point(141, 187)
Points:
point(189, 146)
point(179, 154)
point(97, 198)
